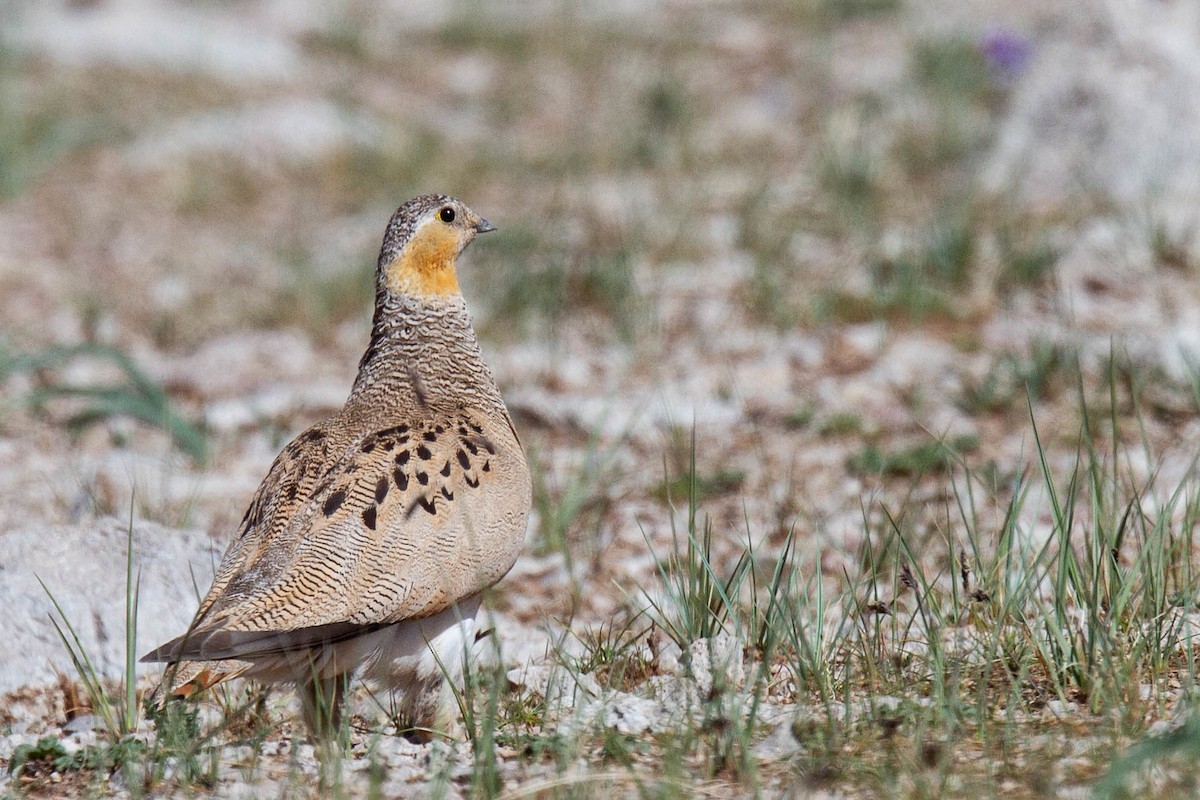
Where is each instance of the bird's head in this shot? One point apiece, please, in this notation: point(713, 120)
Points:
point(422, 244)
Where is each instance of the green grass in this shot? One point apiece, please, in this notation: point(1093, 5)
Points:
point(39, 126)
point(1026, 255)
point(853, 9)
point(571, 501)
point(722, 481)
point(1013, 378)
point(952, 66)
point(528, 280)
point(120, 716)
point(765, 232)
point(136, 395)
point(919, 460)
point(850, 171)
point(177, 751)
point(1000, 626)
point(841, 423)
point(922, 283)
point(962, 633)
point(1066, 620)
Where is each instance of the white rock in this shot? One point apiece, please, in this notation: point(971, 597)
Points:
point(632, 715)
point(667, 652)
point(84, 723)
point(1107, 110)
point(780, 743)
point(560, 687)
point(84, 567)
point(678, 693)
point(716, 661)
point(1058, 709)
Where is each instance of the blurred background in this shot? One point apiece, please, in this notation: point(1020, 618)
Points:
point(795, 256)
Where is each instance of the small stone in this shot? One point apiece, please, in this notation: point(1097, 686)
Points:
point(84, 722)
point(716, 662)
point(1059, 709)
point(780, 743)
point(558, 686)
point(633, 715)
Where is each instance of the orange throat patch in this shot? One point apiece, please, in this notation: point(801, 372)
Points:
point(427, 266)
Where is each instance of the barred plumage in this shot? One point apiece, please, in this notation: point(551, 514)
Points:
point(374, 532)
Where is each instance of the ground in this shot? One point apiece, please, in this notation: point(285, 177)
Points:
point(854, 345)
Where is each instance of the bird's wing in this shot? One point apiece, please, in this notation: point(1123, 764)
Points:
point(403, 523)
point(262, 536)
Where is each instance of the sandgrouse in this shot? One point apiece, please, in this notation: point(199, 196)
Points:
point(374, 532)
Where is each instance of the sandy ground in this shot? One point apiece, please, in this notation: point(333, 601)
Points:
point(683, 252)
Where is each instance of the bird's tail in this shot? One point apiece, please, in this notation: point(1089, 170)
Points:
point(186, 679)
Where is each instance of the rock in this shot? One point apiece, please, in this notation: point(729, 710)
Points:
point(84, 723)
point(560, 687)
point(1058, 709)
point(625, 713)
point(715, 663)
point(1106, 112)
point(780, 743)
point(83, 566)
point(632, 715)
point(666, 652)
point(675, 692)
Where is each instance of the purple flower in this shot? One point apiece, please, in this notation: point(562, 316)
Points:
point(1007, 54)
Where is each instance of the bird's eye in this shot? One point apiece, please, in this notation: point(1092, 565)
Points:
point(446, 214)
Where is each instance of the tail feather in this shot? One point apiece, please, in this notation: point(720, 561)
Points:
point(188, 678)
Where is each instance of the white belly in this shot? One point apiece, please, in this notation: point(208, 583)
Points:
point(412, 658)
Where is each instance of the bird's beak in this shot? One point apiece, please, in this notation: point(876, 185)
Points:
point(484, 226)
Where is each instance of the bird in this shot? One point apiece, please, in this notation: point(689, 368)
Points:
point(371, 538)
